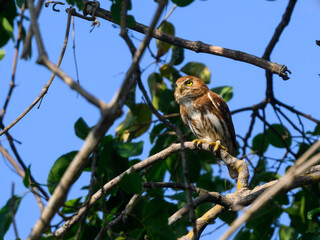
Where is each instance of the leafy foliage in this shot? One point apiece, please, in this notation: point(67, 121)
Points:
point(149, 215)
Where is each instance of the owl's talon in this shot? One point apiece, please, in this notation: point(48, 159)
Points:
point(217, 145)
point(198, 142)
point(214, 145)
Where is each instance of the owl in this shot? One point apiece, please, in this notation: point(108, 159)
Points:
point(205, 113)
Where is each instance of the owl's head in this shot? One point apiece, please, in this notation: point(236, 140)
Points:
point(188, 88)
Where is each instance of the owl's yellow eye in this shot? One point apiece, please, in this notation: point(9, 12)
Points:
point(189, 82)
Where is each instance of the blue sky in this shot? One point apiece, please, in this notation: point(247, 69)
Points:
point(103, 59)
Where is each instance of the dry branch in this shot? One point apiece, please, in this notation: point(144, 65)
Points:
point(197, 46)
point(21, 172)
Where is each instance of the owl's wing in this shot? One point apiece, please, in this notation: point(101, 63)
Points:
point(219, 105)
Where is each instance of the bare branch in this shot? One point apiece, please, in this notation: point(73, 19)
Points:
point(198, 46)
point(46, 87)
point(21, 172)
point(284, 22)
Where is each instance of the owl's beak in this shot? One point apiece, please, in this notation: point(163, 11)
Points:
point(180, 89)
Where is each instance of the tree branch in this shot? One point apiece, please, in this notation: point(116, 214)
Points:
point(109, 113)
point(21, 172)
point(226, 157)
point(300, 166)
point(197, 46)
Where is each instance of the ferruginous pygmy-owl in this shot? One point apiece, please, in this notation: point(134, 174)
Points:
point(205, 113)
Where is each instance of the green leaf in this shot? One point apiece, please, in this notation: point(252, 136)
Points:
point(129, 149)
point(170, 73)
point(116, 14)
point(163, 47)
point(316, 131)
point(287, 233)
point(156, 172)
point(78, 3)
point(26, 181)
point(156, 86)
point(182, 3)
point(110, 163)
point(20, 3)
point(2, 54)
point(243, 234)
point(154, 208)
point(131, 183)
point(7, 17)
point(198, 70)
point(302, 148)
point(166, 102)
point(226, 92)
point(312, 213)
point(156, 131)
point(228, 217)
point(177, 55)
point(194, 167)
point(260, 144)
point(277, 141)
point(5, 214)
point(81, 128)
point(7, 27)
point(314, 235)
point(136, 123)
point(58, 169)
point(71, 206)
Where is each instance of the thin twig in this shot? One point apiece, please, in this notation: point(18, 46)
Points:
point(21, 172)
point(284, 22)
point(168, 15)
point(297, 112)
point(74, 50)
point(22, 164)
point(292, 124)
point(46, 87)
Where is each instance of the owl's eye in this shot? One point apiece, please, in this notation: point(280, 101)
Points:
point(189, 82)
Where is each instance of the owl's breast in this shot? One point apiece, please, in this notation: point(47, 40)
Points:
point(204, 124)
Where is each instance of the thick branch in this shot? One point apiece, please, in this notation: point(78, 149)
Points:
point(197, 46)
